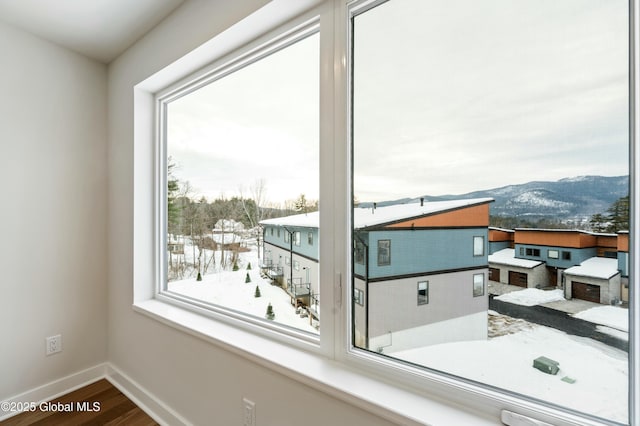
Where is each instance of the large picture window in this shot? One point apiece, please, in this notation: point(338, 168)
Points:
point(226, 140)
point(469, 117)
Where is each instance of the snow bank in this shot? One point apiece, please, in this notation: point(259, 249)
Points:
point(611, 316)
point(532, 296)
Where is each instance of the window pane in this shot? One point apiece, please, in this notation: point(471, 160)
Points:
point(490, 139)
point(243, 184)
point(478, 246)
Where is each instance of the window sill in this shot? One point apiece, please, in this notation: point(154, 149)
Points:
point(334, 378)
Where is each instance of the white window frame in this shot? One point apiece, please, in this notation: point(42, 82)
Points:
point(478, 248)
point(410, 395)
point(423, 299)
point(481, 281)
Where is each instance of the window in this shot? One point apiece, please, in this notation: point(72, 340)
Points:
point(478, 285)
point(566, 255)
point(469, 118)
point(358, 296)
point(447, 101)
point(533, 252)
point(478, 246)
point(226, 135)
point(552, 254)
point(358, 251)
point(423, 292)
point(310, 238)
point(384, 252)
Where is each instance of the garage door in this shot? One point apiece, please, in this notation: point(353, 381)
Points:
point(585, 291)
point(518, 278)
point(494, 274)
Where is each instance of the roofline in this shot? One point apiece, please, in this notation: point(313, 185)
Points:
point(405, 219)
point(581, 231)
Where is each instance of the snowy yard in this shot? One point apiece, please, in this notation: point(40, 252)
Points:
point(600, 372)
point(229, 289)
point(505, 360)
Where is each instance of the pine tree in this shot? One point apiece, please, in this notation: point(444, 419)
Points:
point(235, 266)
point(249, 266)
point(618, 215)
point(247, 279)
point(270, 314)
point(199, 278)
point(257, 293)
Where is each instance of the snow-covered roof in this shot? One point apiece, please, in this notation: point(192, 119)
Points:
point(306, 220)
point(508, 257)
point(579, 231)
point(495, 228)
point(367, 217)
point(595, 267)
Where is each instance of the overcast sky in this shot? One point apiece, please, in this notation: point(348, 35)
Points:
point(450, 96)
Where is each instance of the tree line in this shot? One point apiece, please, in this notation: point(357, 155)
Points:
point(613, 220)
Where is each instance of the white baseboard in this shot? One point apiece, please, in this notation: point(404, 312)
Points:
point(155, 408)
point(58, 387)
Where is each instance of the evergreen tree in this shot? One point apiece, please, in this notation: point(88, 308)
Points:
point(249, 266)
point(247, 279)
point(598, 223)
point(173, 208)
point(270, 314)
point(257, 292)
point(199, 277)
point(618, 215)
point(235, 266)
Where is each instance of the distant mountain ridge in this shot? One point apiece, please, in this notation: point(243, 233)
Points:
point(574, 198)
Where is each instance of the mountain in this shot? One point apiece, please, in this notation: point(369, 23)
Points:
point(569, 199)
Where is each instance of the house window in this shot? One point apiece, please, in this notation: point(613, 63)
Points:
point(566, 255)
point(278, 232)
point(384, 252)
point(358, 296)
point(272, 232)
point(296, 265)
point(358, 252)
point(296, 238)
point(478, 246)
point(310, 238)
point(423, 292)
point(533, 252)
point(287, 236)
point(552, 254)
point(478, 285)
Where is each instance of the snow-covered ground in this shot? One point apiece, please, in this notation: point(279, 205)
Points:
point(228, 289)
point(600, 371)
point(610, 316)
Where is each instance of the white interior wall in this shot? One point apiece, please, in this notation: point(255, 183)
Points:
point(203, 383)
point(53, 213)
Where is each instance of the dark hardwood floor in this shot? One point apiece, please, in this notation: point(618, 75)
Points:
point(99, 403)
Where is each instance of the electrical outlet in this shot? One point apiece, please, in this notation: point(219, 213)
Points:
point(248, 412)
point(54, 344)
